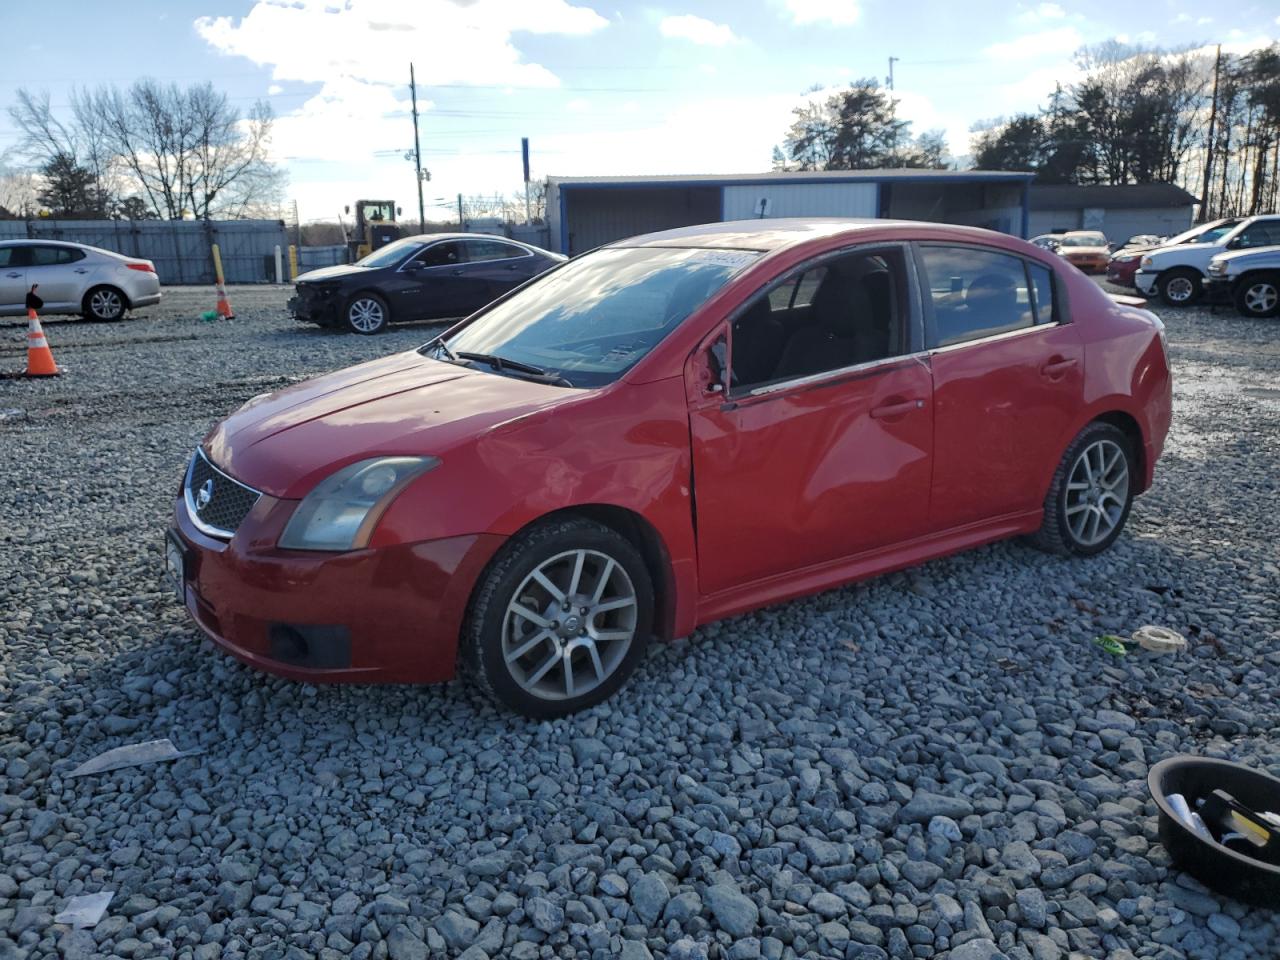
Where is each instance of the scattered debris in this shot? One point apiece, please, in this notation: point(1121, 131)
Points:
point(12, 413)
point(132, 755)
point(1159, 639)
point(87, 910)
point(1111, 644)
point(1009, 665)
point(209, 315)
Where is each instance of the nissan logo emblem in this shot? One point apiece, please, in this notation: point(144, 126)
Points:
point(204, 495)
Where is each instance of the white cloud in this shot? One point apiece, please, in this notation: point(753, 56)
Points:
point(373, 40)
point(1060, 41)
point(274, 89)
point(1182, 18)
point(696, 30)
point(1204, 20)
point(1051, 11)
point(840, 13)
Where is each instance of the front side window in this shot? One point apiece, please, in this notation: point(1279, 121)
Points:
point(594, 318)
point(847, 311)
point(7, 256)
point(1264, 233)
point(443, 254)
point(976, 293)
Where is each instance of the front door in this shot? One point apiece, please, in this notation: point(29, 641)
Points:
point(441, 283)
point(821, 449)
point(1008, 382)
point(61, 274)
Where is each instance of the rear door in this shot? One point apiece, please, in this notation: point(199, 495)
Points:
point(61, 273)
point(1008, 379)
point(500, 265)
point(822, 448)
point(13, 279)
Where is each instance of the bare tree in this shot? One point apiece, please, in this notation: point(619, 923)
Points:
point(18, 190)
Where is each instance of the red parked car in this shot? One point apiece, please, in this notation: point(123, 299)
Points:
point(664, 432)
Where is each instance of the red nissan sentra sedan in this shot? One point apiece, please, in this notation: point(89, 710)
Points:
point(666, 431)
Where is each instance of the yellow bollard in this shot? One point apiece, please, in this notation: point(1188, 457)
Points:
point(293, 263)
point(224, 305)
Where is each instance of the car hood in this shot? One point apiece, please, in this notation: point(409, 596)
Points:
point(1259, 254)
point(284, 443)
point(339, 272)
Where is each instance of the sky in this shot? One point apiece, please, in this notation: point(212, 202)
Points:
point(598, 87)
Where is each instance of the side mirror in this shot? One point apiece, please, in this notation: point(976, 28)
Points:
point(415, 265)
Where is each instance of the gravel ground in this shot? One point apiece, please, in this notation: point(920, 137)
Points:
point(937, 763)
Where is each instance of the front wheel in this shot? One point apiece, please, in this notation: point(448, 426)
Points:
point(1090, 495)
point(1179, 287)
point(560, 619)
point(1259, 296)
point(367, 313)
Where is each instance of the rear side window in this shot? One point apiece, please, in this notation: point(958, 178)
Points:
point(976, 293)
point(1264, 233)
point(51, 256)
point(478, 250)
point(7, 256)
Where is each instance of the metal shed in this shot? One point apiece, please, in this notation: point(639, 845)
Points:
point(586, 212)
point(1120, 212)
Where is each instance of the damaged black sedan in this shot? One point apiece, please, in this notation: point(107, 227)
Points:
point(426, 277)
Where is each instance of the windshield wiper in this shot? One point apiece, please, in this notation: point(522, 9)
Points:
point(502, 363)
point(439, 344)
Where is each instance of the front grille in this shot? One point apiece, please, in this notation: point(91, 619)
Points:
point(216, 504)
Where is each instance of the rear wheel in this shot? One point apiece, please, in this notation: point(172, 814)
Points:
point(1259, 295)
point(104, 303)
point(367, 313)
point(560, 618)
point(1179, 287)
point(1090, 495)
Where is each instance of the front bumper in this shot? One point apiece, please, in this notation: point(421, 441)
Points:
point(1146, 282)
point(1087, 263)
point(314, 308)
point(1121, 274)
point(389, 615)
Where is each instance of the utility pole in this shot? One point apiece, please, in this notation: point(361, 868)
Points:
point(417, 149)
point(524, 151)
point(1208, 154)
point(297, 226)
point(892, 61)
point(461, 225)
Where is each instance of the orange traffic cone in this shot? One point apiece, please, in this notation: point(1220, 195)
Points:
point(224, 305)
point(39, 356)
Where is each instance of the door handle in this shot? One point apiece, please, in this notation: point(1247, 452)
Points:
point(13, 274)
point(896, 408)
point(1057, 367)
point(81, 270)
point(456, 273)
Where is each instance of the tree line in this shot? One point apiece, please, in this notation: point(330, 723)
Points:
point(151, 151)
point(1209, 122)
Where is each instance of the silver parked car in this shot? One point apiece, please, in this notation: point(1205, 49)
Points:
point(74, 278)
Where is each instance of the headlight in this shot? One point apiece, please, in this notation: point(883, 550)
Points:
point(1217, 268)
point(341, 512)
point(1129, 258)
point(1146, 262)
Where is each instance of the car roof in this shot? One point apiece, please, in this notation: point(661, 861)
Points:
point(433, 237)
point(777, 234)
point(42, 242)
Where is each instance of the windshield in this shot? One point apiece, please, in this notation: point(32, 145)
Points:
point(1084, 240)
point(391, 254)
point(1203, 234)
point(594, 318)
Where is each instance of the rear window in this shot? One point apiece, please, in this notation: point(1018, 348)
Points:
point(52, 256)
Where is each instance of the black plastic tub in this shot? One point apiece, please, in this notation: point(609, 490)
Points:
point(1218, 868)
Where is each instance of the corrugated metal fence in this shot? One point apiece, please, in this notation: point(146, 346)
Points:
point(180, 249)
point(313, 258)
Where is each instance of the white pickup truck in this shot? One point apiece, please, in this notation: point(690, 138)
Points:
point(1177, 272)
point(1248, 278)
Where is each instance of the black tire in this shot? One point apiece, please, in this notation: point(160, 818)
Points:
point(484, 631)
point(105, 304)
point(366, 313)
point(1258, 295)
point(1179, 287)
point(1056, 534)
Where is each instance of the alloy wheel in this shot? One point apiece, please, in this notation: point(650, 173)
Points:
point(1097, 492)
point(105, 304)
point(1261, 298)
point(366, 315)
point(569, 625)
